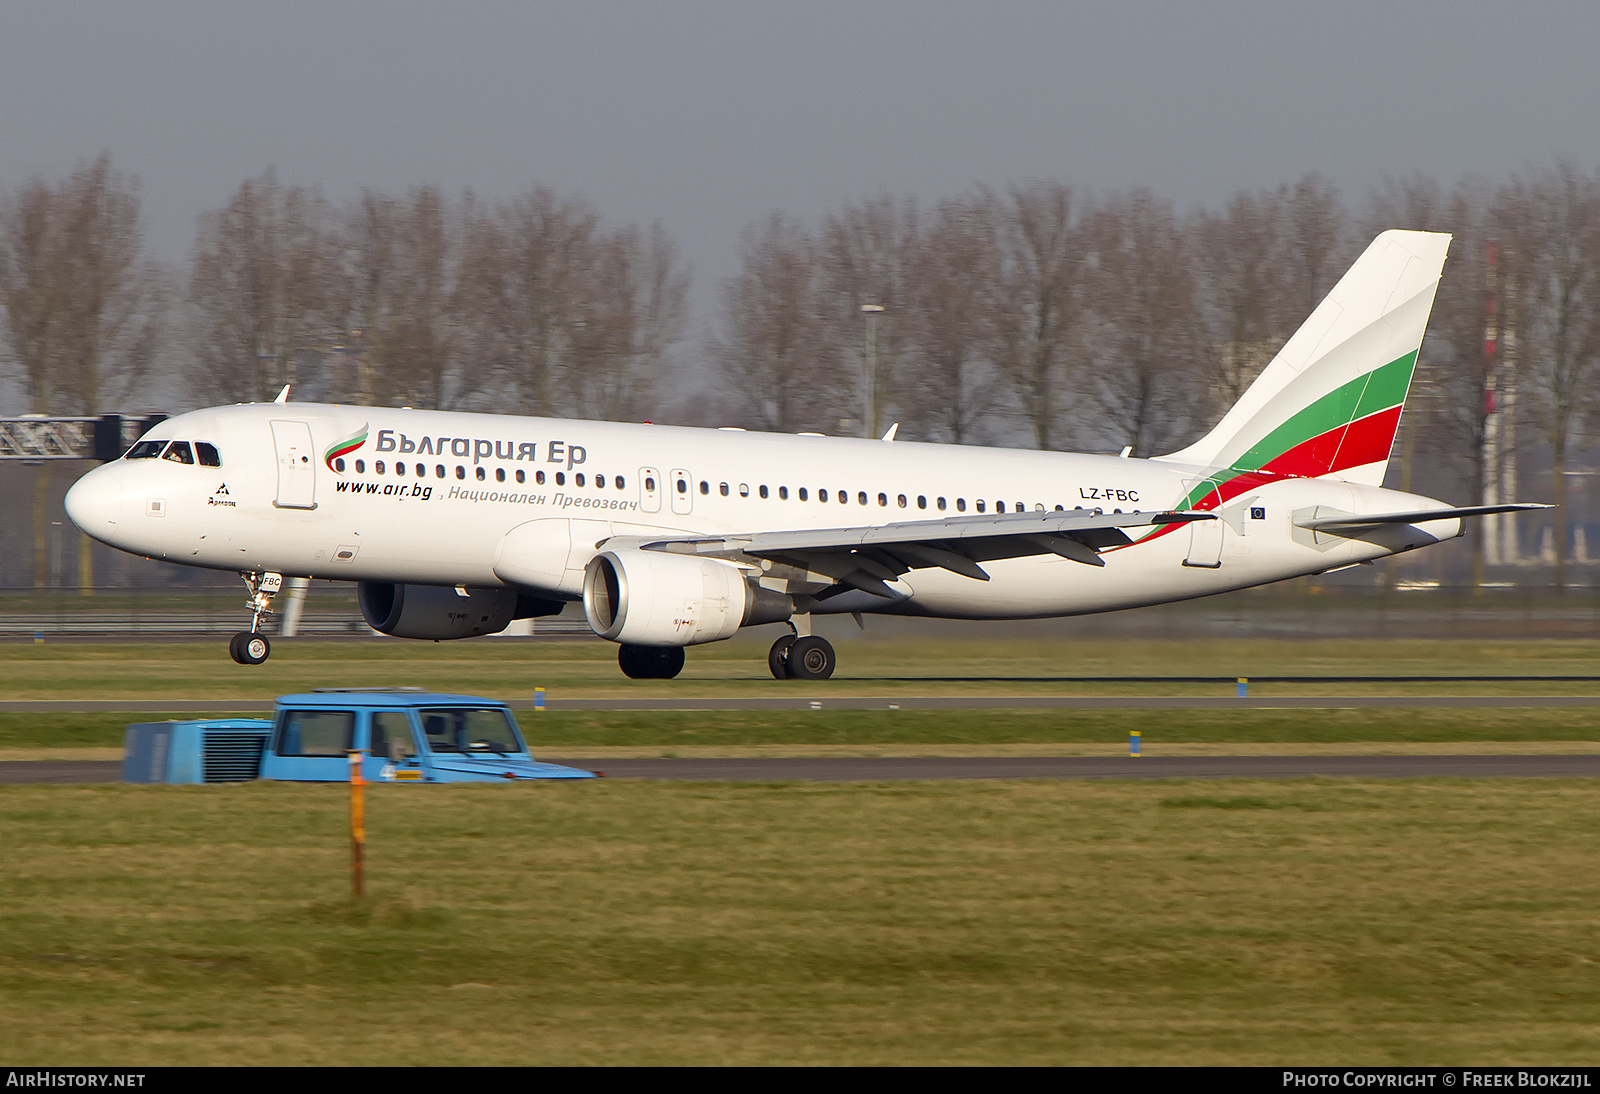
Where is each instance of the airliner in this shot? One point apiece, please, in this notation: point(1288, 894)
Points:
point(454, 524)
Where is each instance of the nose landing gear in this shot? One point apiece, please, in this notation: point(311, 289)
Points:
point(251, 647)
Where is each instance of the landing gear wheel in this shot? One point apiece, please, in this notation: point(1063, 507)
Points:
point(810, 658)
point(778, 657)
point(249, 647)
point(650, 662)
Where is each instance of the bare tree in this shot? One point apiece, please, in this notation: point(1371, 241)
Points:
point(1140, 290)
point(1237, 262)
point(1550, 223)
point(528, 266)
point(83, 309)
point(632, 308)
point(949, 297)
point(406, 321)
point(865, 250)
point(1037, 309)
point(772, 347)
point(265, 290)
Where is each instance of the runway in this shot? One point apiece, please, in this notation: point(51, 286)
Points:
point(875, 769)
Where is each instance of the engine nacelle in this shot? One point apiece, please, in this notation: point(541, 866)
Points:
point(652, 598)
point(432, 611)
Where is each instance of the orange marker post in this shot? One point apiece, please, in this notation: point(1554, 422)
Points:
point(358, 825)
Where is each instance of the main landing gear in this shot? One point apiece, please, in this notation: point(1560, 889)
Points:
point(650, 662)
point(801, 658)
point(251, 647)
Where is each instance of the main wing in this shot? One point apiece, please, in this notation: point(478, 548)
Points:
point(867, 557)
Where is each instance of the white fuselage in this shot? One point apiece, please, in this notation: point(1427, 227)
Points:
point(280, 502)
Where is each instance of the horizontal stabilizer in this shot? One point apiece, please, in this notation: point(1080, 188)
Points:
point(1419, 516)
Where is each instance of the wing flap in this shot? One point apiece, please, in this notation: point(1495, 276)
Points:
point(869, 557)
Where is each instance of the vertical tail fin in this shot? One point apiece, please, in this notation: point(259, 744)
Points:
point(1330, 401)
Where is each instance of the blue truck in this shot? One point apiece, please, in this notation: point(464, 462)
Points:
point(405, 735)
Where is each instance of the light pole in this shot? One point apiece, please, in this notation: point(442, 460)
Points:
point(870, 380)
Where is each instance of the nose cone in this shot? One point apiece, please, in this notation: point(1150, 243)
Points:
point(95, 503)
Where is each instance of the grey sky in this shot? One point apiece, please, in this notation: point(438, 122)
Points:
point(707, 115)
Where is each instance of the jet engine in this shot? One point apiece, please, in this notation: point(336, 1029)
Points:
point(652, 598)
point(433, 611)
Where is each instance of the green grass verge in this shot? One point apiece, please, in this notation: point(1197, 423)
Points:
point(1414, 922)
point(1005, 666)
point(558, 730)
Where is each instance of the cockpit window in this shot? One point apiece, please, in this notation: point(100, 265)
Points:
point(179, 452)
point(145, 450)
point(207, 454)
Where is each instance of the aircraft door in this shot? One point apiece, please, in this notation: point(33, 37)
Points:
point(649, 490)
point(297, 467)
point(682, 492)
point(1205, 536)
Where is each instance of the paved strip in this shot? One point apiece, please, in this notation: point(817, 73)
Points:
point(890, 702)
point(850, 768)
point(873, 769)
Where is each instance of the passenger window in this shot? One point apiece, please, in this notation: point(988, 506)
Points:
point(961, 505)
point(801, 494)
point(577, 480)
point(999, 507)
point(620, 484)
point(902, 500)
point(922, 501)
point(522, 476)
point(599, 481)
point(361, 466)
point(461, 472)
point(391, 737)
point(338, 465)
point(378, 467)
point(783, 493)
point(399, 469)
point(499, 474)
point(723, 490)
point(538, 478)
point(763, 490)
point(438, 470)
point(744, 490)
point(207, 454)
point(705, 487)
point(482, 472)
point(145, 450)
point(940, 504)
point(861, 497)
point(315, 733)
point(179, 452)
point(980, 505)
point(883, 499)
point(822, 495)
point(561, 478)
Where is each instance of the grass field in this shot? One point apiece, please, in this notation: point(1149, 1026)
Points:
point(1254, 922)
point(1416, 922)
point(508, 668)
